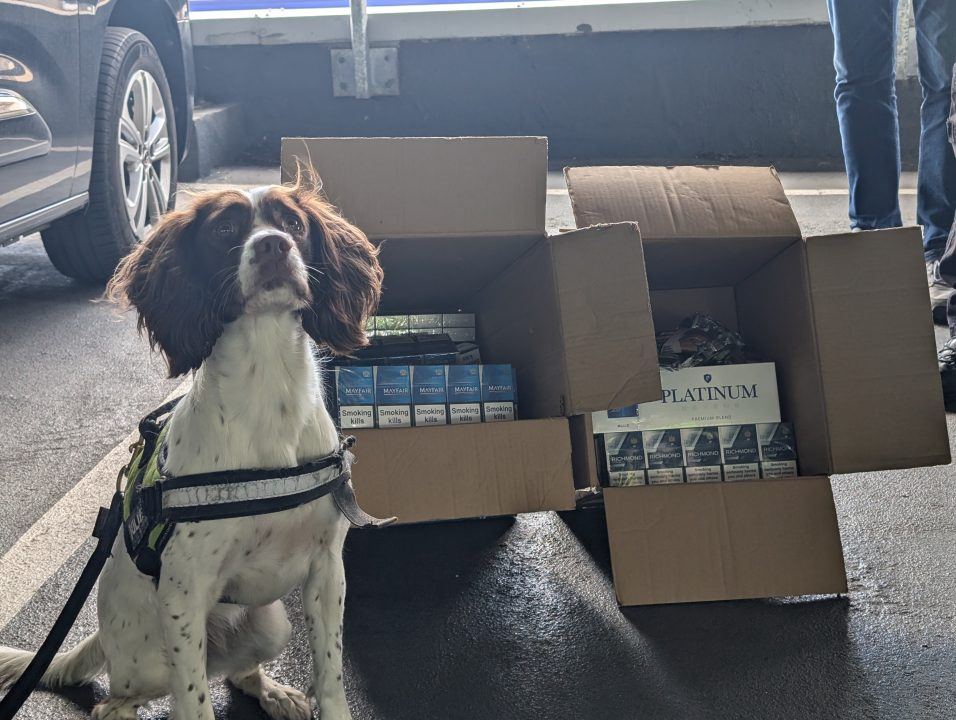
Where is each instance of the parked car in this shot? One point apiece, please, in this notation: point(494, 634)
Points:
point(95, 107)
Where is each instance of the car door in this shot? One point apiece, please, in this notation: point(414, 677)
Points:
point(39, 73)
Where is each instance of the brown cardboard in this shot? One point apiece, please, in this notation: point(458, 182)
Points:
point(669, 307)
point(432, 272)
point(845, 318)
point(722, 541)
point(725, 240)
point(461, 471)
point(565, 343)
point(565, 311)
point(868, 290)
point(688, 202)
point(776, 316)
point(729, 221)
point(430, 187)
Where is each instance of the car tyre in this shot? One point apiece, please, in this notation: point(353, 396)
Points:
point(134, 163)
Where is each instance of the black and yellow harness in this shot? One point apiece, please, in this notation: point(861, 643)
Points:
point(149, 502)
point(155, 501)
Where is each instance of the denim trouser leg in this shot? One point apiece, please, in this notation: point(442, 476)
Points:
point(947, 263)
point(864, 35)
point(936, 49)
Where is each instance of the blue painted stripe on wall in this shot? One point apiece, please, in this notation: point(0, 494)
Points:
point(218, 5)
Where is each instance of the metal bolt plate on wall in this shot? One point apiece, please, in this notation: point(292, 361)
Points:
point(382, 72)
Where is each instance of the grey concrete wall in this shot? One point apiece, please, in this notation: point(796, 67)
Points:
point(734, 95)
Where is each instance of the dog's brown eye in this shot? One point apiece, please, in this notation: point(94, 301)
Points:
point(225, 230)
point(292, 224)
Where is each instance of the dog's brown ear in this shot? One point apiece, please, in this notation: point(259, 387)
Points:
point(345, 279)
point(176, 310)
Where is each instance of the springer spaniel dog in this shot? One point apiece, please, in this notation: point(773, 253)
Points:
point(233, 287)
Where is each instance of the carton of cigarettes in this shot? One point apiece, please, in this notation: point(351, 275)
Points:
point(702, 454)
point(497, 393)
point(702, 396)
point(464, 394)
point(778, 450)
point(626, 462)
point(393, 396)
point(355, 394)
point(665, 456)
point(741, 456)
point(429, 397)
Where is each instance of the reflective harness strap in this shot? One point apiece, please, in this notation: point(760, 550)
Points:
point(221, 495)
point(153, 508)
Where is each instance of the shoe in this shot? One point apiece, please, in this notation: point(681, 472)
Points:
point(947, 373)
point(939, 292)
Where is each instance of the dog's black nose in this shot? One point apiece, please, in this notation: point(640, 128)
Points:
point(271, 246)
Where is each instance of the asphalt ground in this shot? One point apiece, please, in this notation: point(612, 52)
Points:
point(489, 618)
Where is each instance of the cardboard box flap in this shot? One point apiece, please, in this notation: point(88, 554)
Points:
point(701, 226)
point(877, 351)
point(722, 541)
point(610, 350)
point(497, 469)
point(684, 201)
point(430, 187)
point(574, 319)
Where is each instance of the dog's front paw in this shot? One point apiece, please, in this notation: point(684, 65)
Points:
point(285, 703)
point(334, 708)
point(116, 709)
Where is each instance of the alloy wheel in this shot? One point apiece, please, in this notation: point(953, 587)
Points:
point(144, 153)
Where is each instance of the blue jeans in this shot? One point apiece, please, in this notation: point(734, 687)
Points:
point(864, 33)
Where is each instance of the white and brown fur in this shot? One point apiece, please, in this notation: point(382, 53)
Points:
point(233, 287)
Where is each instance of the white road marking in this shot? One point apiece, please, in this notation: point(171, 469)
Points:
point(50, 542)
point(796, 192)
point(814, 192)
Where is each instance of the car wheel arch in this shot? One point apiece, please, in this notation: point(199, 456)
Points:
point(156, 19)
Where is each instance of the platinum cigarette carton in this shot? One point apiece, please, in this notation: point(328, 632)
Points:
point(464, 394)
point(702, 454)
point(778, 450)
point(429, 396)
point(702, 396)
point(497, 393)
point(393, 396)
point(355, 394)
point(741, 455)
point(665, 456)
point(626, 462)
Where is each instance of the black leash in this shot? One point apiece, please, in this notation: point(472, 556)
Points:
point(107, 527)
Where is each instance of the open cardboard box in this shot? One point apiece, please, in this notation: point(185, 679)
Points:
point(845, 318)
point(461, 226)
